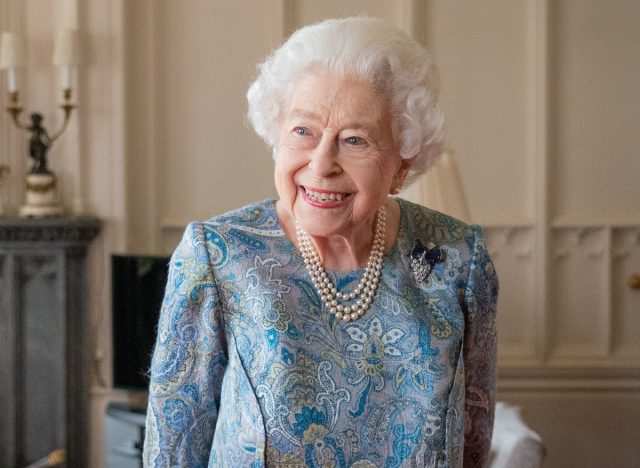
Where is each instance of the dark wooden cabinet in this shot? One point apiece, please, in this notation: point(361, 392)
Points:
point(44, 383)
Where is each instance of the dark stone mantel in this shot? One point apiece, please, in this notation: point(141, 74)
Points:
point(64, 231)
point(43, 354)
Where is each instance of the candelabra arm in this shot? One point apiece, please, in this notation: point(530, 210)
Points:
point(15, 110)
point(67, 107)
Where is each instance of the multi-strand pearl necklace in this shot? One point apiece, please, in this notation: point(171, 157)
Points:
point(352, 305)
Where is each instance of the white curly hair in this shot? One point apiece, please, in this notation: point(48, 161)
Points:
point(367, 49)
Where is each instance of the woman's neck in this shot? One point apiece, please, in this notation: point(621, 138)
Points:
point(349, 251)
point(344, 253)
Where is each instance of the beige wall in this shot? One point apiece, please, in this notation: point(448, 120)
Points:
point(541, 100)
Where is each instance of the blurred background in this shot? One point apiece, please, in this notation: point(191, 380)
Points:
point(542, 106)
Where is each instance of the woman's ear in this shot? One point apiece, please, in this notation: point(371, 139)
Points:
point(400, 175)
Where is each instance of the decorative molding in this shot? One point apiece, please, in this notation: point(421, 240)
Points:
point(37, 266)
point(579, 384)
point(589, 262)
point(43, 312)
point(608, 370)
point(512, 249)
point(591, 240)
point(53, 230)
point(510, 238)
point(625, 241)
point(625, 301)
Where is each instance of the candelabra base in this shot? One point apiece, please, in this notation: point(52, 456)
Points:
point(41, 197)
point(27, 211)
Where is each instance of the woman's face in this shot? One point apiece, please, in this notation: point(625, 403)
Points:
point(337, 159)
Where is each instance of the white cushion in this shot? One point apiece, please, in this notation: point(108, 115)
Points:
point(514, 444)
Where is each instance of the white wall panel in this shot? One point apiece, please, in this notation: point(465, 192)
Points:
point(485, 57)
point(626, 300)
point(583, 429)
point(579, 317)
point(595, 111)
point(512, 250)
point(311, 11)
point(210, 161)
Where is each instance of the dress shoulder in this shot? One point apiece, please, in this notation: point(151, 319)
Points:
point(233, 237)
point(259, 215)
point(428, 225)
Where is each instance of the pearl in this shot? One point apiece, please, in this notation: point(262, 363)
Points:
point(327, 290)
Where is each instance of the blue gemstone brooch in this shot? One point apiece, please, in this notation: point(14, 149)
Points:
point(424, 258)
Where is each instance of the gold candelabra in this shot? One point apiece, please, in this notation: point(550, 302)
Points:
point(41, 196)
point(15, 110)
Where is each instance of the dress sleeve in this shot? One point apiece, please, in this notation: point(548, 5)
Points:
point(188, 361)
point(479, 352)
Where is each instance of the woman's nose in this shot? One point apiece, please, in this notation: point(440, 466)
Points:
point(324, 158)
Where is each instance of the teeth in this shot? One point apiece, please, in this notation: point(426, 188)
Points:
point(324, 197)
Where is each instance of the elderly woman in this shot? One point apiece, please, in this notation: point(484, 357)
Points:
point(336, 326)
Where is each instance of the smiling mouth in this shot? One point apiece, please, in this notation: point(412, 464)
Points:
point(324, 196)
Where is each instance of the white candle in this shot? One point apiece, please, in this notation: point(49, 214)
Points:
point(66, 72)
point(65, 55)
point(11, 57)
point(12, 82)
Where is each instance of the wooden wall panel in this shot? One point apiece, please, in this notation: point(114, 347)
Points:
point(209, 160)
point(583, 429)
point(512, 252)
point(485, 56)
point(580, 325)
point(594, 101)
point(626, 299)
point(311, 11)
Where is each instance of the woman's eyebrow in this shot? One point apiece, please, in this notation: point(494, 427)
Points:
point(310, 115)
point(361, 124)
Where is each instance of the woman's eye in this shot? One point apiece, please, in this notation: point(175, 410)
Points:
point(302, 131)
point(354, 140)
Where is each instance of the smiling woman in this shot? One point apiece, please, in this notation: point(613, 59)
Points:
point(337, 325)
point(336, 162)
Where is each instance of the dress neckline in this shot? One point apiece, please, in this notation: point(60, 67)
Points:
point(339, 274)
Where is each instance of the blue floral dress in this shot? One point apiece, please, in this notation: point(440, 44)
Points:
point(250, 370)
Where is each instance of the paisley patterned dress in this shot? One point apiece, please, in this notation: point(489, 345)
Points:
point(250, 370)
